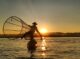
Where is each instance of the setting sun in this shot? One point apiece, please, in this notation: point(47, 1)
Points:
point(43, 30)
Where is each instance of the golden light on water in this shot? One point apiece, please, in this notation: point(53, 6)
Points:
point(43, 54)
point(43, 46)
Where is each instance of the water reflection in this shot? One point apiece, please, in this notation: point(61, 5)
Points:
point(43, 47)
point(31, 56)
point(32, 47)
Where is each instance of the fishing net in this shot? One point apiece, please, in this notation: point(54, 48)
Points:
point(15, 27)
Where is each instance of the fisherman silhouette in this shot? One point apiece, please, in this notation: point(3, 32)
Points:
point(32, 43)
point(32, 31)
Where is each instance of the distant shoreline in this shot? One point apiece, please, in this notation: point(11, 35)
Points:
point(56, 34)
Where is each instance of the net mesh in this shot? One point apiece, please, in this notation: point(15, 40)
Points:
point(15, 25)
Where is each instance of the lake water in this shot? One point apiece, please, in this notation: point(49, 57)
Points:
point(48, 48)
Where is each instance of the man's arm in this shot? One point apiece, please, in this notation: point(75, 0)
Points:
point(39, 33)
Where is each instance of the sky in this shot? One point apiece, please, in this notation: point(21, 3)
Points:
point(54, 15)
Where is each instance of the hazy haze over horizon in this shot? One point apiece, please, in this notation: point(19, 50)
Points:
point(54, 15)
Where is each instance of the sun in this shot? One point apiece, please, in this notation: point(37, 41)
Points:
point(43, 30)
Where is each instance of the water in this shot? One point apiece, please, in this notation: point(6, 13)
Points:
point(49, 48)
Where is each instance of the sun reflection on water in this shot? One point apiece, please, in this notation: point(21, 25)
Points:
point(43, 47)
point(43, 54)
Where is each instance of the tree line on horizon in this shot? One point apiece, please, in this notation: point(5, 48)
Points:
point(52, 34)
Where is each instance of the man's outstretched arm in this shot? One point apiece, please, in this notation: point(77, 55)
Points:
point(39, 33)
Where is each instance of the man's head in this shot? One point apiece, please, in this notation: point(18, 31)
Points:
point(34, 23)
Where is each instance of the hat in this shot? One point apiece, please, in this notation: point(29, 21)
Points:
point(34, 23)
